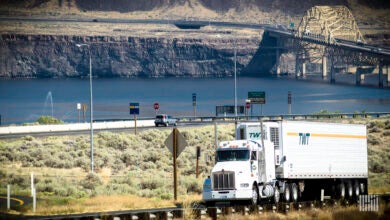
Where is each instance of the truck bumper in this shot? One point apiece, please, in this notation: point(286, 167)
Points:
point(226, 195)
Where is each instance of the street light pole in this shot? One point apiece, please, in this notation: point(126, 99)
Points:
point(91, 103)
point(235, 80)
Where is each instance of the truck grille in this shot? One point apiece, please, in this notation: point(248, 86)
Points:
point(223, 180)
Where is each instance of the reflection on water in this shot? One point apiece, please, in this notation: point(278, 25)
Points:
point(360, 101)
point(22, 100)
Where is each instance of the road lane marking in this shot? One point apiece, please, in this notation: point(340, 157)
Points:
point(15, 199)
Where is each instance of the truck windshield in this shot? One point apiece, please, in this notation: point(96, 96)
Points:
point(232, 155)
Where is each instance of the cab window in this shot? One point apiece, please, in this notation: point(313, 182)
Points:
point(253, 155)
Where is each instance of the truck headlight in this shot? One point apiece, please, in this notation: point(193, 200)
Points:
point(244, 185)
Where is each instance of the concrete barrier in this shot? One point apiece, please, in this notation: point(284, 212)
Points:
point(73, 127)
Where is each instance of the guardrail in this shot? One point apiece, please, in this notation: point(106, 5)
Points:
point(286, 116)
point(198, 211)
point(265, 117)
point(105, 124)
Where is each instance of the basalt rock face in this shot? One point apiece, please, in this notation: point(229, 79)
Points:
point(45, 56)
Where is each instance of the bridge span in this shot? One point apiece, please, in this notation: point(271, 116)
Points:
point(327, 40)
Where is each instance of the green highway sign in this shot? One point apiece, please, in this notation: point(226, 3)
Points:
point(257, 97)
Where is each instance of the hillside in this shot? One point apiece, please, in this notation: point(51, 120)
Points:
point(154, 50)
point(373, 13)
point(129, 165)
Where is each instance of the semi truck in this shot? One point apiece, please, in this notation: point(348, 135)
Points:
point(289, 161)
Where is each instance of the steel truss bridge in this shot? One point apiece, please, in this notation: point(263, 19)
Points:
point(329, 38)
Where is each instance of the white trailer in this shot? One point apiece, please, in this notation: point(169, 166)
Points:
point(293, 160)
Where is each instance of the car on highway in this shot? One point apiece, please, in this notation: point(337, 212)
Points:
point(359, 42)
point(165, 120)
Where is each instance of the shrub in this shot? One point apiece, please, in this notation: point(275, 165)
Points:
point(22, 181)
point(191, 184)
point(371, 139)
point(326, 113)
point(91, 181)
point(28, 138)
point(387, 124)
point(375, 130)
point(47, 120)
point(151, 183)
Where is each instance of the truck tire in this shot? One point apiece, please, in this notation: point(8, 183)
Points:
point(255, 195)
point(362, 188)
point(349, 190)
point(276, 195)
point(341, 191)
point(294, 192)
point(286, 194)
point(356, 189)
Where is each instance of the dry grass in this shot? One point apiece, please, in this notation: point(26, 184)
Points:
point(100, 204)
point(371, 20)
point(119, 29)
point(140, 183)
point(338, 213)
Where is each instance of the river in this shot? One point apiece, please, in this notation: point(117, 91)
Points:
point(23, 101)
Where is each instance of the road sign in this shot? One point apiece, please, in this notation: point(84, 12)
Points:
point(193, 99)
point(134, 108)
point(289, 98)
point(156, 106)
point(228, 110)
point(176, 144)
point(248, 103)
point(181, 142)
point(257, 97)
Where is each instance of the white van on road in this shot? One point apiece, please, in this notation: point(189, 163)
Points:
point(165, 120)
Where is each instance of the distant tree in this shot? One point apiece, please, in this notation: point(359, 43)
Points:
point(48, 120)
point(326, 112)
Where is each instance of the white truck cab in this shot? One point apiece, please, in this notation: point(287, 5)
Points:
point(240, 168)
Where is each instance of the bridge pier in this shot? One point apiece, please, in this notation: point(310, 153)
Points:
point(332, 77)
point(300, 66)
point(324, 67)
point(380, 75)
point(277, 59)
point(388, 75)
point(297, 72)
point(303, 66)
point(358, 76)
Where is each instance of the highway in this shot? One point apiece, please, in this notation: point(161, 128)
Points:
point(116, 125)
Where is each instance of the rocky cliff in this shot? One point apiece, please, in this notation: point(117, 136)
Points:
point(39, 56)
point(47, 49)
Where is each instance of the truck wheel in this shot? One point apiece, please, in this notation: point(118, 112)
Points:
point(294, 192)
point(341, 191)
point(362, 188)
point(349, 189)
point(286, 194)
point(356, 189)
point(255, 195)
point(276, 195)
